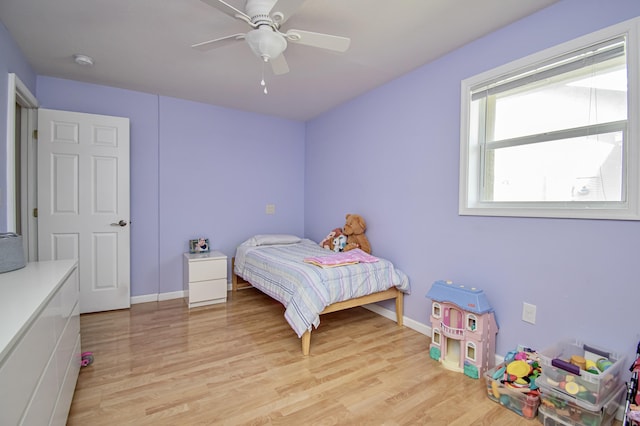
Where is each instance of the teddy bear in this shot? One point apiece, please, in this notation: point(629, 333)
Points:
point(354, 230)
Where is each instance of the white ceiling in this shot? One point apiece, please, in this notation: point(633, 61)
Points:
point(145, 45)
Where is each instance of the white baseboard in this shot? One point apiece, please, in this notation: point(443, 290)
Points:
point(171, 296)
point(159, 297)
point(412, 324)
point(144, 298)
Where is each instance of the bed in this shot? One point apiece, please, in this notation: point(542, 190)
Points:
point(275, 264)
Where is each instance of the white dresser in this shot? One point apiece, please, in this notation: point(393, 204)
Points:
point(205, 278)
point(39, 342)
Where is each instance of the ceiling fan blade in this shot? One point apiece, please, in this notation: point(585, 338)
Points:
point(225, 7)
point(284, 9)
point(323, 41)
point(279, 65)
point(219, 42)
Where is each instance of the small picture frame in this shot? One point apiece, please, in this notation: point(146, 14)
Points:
point(200, 245)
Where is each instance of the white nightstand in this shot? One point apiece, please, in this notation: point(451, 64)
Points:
point(205, 278)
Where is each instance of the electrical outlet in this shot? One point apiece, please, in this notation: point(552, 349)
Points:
point(528, 313)
point(271, 209)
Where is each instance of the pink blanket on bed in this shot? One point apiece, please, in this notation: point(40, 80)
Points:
point(340, 259)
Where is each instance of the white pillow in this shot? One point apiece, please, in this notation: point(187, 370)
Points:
point(271, 239)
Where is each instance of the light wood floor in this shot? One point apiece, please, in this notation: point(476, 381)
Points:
point(240, 363)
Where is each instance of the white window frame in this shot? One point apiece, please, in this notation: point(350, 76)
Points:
point(436, 310)
point(436, 337)
point(475, 351)
point(470, 201)
point(475, 322)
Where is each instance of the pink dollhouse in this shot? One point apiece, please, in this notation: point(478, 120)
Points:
point(464, 328)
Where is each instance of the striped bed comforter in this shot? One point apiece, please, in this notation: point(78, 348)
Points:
point(305, 289)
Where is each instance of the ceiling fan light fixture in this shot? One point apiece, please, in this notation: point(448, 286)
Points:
point(266, 43)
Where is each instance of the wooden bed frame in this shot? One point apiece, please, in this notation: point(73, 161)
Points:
point(238, 283)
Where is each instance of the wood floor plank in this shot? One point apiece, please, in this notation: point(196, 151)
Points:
point(240, 363)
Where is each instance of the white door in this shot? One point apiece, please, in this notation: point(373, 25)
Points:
point(83, 202)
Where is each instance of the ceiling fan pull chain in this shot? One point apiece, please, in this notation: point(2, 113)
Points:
point(262, 82)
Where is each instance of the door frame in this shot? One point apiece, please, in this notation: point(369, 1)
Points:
point(19, 93)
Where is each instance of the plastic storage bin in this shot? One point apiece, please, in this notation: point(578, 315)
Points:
point(516, 400)
point(11, 252)
point(555, 409)
point(590, 389)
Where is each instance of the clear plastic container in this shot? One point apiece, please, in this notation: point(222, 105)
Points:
point(555, 409)
point(516, 400)
point(588, 388)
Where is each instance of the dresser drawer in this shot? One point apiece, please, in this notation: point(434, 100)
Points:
point(68, 386)
point(24, 366)
point(202, 291)
point(210, 269)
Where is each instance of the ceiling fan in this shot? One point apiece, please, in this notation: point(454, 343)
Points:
point(265, 17)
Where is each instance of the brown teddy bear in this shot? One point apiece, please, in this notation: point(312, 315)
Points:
point(354, 230)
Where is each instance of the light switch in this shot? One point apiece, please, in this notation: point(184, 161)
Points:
point(528, 313)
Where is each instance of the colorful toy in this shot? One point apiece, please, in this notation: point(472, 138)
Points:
point(328, 241)
point(338, 243)
point(463, 327)
point(86, 359)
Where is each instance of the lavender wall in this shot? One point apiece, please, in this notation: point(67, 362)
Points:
point(219, 169)
point(196, 170)
point(398, 150)
point(11, 61)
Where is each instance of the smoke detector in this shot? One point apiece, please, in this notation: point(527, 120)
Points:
point(84, 60)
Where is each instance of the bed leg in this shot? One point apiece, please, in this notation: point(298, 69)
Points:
point(400, 308)
point(306, 342)
point(234, 277)
point(234, 280)
point(237, 282)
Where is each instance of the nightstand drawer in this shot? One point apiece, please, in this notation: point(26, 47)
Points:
point(208, 290)
point(202, 270)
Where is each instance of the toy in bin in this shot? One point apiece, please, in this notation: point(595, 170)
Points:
point(556, 409)
point(513, 383)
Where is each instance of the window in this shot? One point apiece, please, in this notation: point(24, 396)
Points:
point(472, 322)
point(436, 310)
point(435, 338)
point(555, 134)
point(471, 351)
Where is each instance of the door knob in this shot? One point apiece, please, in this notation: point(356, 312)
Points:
point(121, 223)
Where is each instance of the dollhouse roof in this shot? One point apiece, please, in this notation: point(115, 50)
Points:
point(467, 298)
